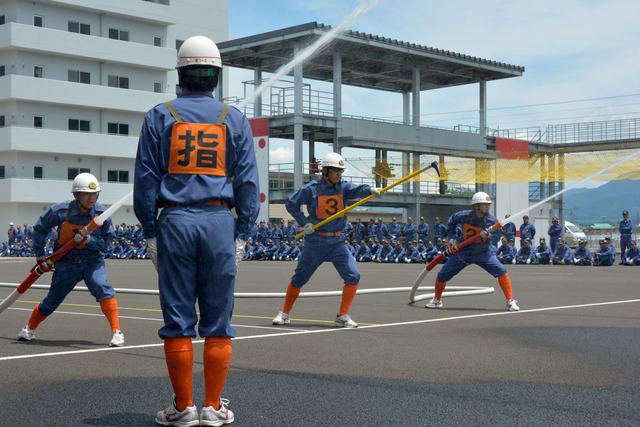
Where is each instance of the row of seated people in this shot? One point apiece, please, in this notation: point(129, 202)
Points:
point(563, 255)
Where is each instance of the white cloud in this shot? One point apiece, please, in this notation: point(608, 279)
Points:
point(280, 155)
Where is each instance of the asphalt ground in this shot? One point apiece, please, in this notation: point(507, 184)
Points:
point(571, 356)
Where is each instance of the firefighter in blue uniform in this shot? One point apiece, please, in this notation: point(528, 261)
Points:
point(423, 230)
point(605, 255)
point(562, 255)
point(582, 256)
point(196, 161)
point(542, 253)
point(466, 224)
point(632, 256)
point(84, 262)
point(555, 234)
point(440, 229)
point(527, 230)
point(323, 198)
point(626, 229)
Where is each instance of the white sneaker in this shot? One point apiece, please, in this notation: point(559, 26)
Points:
point(117, 340)
point(434, 303)
point(210, 417)
point(26, 334)
point(512, 305)
point(281, 319)
point(345, 321)
point(172, 417)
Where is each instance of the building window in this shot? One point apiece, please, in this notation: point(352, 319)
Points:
point(73, 172)
point(2, 72)
point(80, 125)
point(78, 76)
point(157, 41)
point(116, 34)
point(117, 128)
point(79, 27)
point(38, 172)
point(157, 87)
point(178, 44)
point(2, 20)
point(38, 121)
point(38, 20)
point(118, 81)
point(38, 71)
point(1, 121)
point(118, 176)
point(1, 171)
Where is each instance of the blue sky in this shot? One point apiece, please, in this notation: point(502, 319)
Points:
point(572, 50)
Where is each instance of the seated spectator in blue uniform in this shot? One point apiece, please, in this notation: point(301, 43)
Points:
point(351, 247)
point(382, 232)
point(612, 247)
point(4, 249)
point(248, 250)
point(440, 229)
point(632, 255)
point(412, 255)
point(527, 230)
point(270, 250)
point(294, 253)
point(258, 252)
point(363, 254)
point(582, 256)
point(374, 246)
point(394, 229)
point(409, 231)
point(398, 253)
point(555, 233)
point(422, 249)
point(604, 256)
point(281, 253)
point(524, 253)
point(384, 252)
point(506, 253)
point(542, 253)
point(431, 252)
point(562, 255)
point(423, 230)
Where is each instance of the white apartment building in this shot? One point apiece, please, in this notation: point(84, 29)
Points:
point(76, 78)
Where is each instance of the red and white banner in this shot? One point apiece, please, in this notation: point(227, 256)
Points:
point(260, 129)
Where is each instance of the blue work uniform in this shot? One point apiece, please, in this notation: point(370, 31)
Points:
point(506, 254)
point(441, 231)
point(359, 230)
point(409, 231)
point(196, 160)
point(527, 231)
point(604, 256)
point(524, 255)
point(326, 244)
point(462, 225)
point(394, 230)
point(582, 256)
point(555, 233)
point(625, 228)
point(509, 231)
point(562, 253)
point(542, 255)
point(632, 256)
point(423, 231)
point(363, 254)
point(84, 262)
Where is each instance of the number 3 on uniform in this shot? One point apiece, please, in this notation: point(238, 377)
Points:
point(329, 205)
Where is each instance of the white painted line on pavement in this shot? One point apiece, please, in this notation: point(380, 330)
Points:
point(319, 331)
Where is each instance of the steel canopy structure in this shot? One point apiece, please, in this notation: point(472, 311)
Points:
point(369, 61)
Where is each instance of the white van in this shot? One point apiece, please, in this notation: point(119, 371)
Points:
point(572, 234)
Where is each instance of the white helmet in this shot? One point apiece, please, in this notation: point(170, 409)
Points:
point(199, 50)
point(333, 160)
point(480, 197)
point(85, 183)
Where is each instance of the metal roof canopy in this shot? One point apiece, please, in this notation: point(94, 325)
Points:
point(368, 60)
